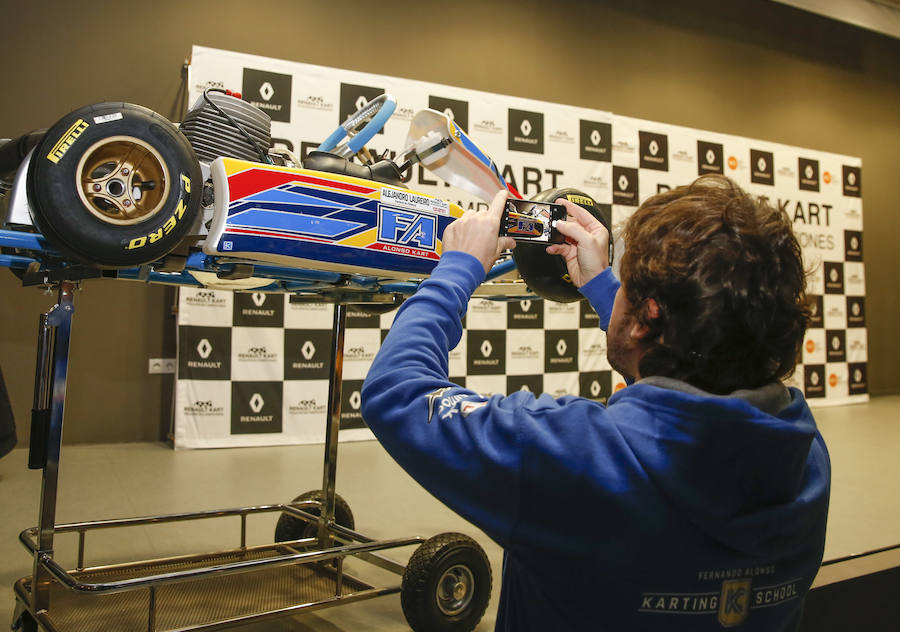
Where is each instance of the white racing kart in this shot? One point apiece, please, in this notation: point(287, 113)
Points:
point(116, 190)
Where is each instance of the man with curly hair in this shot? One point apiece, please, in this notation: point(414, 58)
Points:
point(697, 498)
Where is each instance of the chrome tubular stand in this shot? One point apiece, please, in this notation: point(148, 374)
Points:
point(46, 426)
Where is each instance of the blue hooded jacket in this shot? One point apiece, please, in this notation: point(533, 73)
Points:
point(668, 509)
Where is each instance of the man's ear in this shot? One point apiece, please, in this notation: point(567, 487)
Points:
point(639, 331)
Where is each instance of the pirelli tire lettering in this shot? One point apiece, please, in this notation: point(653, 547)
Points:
point(114, 186)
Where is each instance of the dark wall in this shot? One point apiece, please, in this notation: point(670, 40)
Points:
point(747, 67)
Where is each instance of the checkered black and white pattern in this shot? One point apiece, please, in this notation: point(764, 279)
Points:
point(253, 368)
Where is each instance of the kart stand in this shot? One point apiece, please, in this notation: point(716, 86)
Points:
point(205, 591)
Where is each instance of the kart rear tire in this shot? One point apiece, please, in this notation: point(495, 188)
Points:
point(114, 185)
point(547, 275)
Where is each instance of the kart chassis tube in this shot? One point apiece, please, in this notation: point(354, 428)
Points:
point(334, 542)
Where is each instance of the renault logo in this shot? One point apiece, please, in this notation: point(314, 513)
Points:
point(595, 388)
point(710, 156)
point(486, 348)
point(360, 102)
point(308, 350)
point(257, 402)
point(259, 298)
point(525, 127)
point(761, 164)
point(204, 348)
point(561, 347)
point(355, 400)
point(266, 91)
point(623, 182)
point(525, 305)
point(595, 138)
point(851, 178)
point(653, 147)
point(808, 172)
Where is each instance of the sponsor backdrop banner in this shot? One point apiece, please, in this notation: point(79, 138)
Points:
point(253, 368)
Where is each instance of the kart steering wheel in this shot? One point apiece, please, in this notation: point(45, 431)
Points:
point(373, 114)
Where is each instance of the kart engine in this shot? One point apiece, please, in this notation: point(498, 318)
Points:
point(222, 125)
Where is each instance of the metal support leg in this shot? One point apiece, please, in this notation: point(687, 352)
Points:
point(50, 395)
point(334, 424)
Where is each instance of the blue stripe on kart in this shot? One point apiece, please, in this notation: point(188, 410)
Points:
point(291, 197)
point(324, 227)
point(473, 149)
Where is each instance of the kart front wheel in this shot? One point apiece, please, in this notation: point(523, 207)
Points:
point(114, 185)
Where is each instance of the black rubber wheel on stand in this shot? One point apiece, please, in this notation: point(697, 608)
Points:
point(114, 185)
point(447, 585)
point(292, 528)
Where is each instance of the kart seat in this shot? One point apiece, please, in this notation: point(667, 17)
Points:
point(384, 171)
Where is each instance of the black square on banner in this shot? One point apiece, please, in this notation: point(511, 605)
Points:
point(625, 186)
point(269, 91)
point(258, 309)
point(587, 317)
point(459, 381)
point(808, 173)
point(353, 97)
point(814, 380)
point(857, 378)
point(596, 385)
point(560, 350)
point(710, 158)
point(532, 383)
point(835, 345)
point(834, 277)
point(654, 151)
point(485, 352)
point(596, 140)
point(457, 110)
point(762, 167)
point(357, 319)
point(856, 311)
point(307, 354)
point(351, 403)
point(852, 181)
point(204, 353)
point(526, 131)
point(526, 314)
point(853, 245)
point(816, 311)
point(256, 407)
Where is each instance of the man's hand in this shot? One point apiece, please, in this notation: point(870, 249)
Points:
point(477, 233)
point(587, 249)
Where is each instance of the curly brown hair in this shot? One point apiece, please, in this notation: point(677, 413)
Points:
point(726, 271)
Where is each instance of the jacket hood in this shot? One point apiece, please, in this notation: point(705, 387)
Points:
point(741, 467)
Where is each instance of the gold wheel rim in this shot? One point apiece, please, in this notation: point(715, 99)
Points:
point(122, 180)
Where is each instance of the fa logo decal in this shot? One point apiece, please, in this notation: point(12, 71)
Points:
point(734, 602)
point(407, 228)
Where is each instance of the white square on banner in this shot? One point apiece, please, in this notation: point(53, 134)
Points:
point(835, 307)
point(559, 384)
point(305, 410)
point(308, 315)
point(202, 413)
point(592, 350)
point(524, 352)
point(560, 315)
point(486, 314)
point(205, 308)
point(360, 347)
point(857, 345)
point(487, 385)
point(854, 278)
point(257, 354)
point(814, 347)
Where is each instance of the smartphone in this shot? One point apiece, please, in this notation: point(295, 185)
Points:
point(524, 220)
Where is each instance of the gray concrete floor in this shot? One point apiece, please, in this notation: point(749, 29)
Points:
point(124, 480)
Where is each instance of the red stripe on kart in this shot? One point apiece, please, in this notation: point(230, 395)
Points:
point(268, 233)
point(405, 250)
point(245, 183)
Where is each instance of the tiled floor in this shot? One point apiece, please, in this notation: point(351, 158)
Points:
point(108, 481)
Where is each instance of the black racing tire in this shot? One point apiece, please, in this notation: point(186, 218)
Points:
point(547, 275)
point(290, 528)
point(447, 585)
point(114, 185)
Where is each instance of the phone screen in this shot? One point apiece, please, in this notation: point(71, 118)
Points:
point(524, 220)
